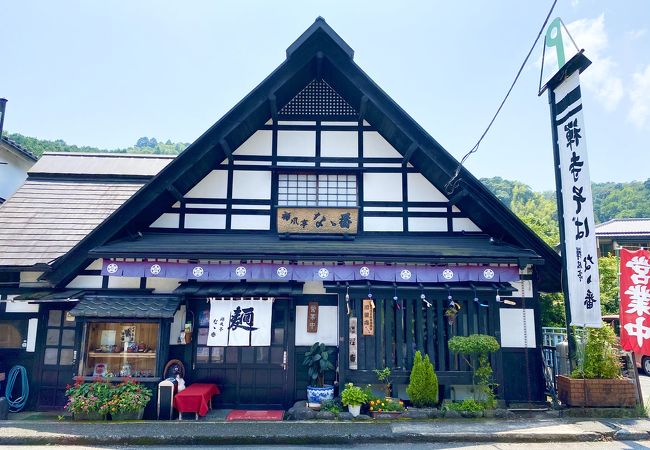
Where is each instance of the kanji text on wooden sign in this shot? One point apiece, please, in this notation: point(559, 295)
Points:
point(312, 317)
point(318, 220)
point(368, 319)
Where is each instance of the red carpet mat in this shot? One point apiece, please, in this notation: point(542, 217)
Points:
point(266, 415)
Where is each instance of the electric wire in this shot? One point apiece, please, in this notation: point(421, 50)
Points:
point(453, 182)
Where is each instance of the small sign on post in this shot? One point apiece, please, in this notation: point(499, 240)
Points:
point(312, 317)
point(368, 317)
point(352, 348)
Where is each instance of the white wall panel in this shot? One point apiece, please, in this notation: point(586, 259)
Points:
point(241, 222)
point(337, 164)
point(313, 287)
point(95, 265)
point(86, 281)
point(427, 224)
point(207, 221)
point(296, 143)
point(383, 224)
point(251, 184)
point(327, 326)
point(512, 328)
point(167, 220)
point(124, 282)
point(162, 285)
point(20, 306)
point(214, 185)
point(32, 328)
point(528, 288)
point(260, 143)
point(375, 146)
point(386, 187)
point(339, 144)
point(464, 224)
point(420, 190)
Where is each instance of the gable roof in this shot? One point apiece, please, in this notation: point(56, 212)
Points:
point(633, 227)
point(66, 196)
point(319, 53)
point(18, 149)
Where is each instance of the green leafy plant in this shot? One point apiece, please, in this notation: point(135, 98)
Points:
point(353, 395)
point(88, 398)
point(478, 346)
point(383, 375)
point(469, 404)
point(317, 360)
point(334, 406)
point(601, 358)
point(128, 396)
point(423, 382)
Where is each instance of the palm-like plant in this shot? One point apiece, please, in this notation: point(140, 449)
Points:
point(317, 360)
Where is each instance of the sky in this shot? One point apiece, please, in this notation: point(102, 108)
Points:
point(106, 73)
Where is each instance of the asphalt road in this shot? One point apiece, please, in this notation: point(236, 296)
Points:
point(617, 445)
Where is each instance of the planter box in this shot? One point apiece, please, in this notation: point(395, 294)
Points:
point(89, 416)
point(131, 415)
point(386, 414)
point(600, 392)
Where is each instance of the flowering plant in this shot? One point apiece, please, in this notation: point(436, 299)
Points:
point(386, 405)
point(353, 395)
point(85, 398)
point(128, 396)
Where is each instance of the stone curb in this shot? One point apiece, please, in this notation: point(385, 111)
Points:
point(275, 435)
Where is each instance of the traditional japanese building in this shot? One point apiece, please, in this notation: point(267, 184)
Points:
point(315, 204)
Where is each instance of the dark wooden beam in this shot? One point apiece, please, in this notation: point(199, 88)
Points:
point(363, 107)
point(273, 106)
point(226, 149)
point(412, 148)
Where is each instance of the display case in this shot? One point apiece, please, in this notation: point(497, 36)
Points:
point(120, 349)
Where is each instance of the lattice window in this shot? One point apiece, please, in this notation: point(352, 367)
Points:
point(318, 99)
point(317, 190)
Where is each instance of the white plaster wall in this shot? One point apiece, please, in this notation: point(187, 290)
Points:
point(527, 285)
point(382, 187)
point(86, 281)
point(214, 185)
point(167, 220)
point(13, 174)
point(420, 190)
point(95, 265)
point(296, 143)
point(20, 306)
point(313, 287)
point(339, 144)
point(464, 224)
point(206, 221)
point(242, 222)
point(162, 285)
point(251, 184)
point(260, 143)
point(124, 282)
point(383, 224)
point(427, 224)
point(327, 326)
point(375, 146)
point(512, 328)
point(29, 277)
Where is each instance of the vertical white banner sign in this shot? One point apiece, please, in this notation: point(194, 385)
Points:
point(578, 211)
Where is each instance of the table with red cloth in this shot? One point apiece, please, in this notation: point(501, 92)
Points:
point(196, 398)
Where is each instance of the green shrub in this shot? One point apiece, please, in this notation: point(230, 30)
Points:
point(478, 346)
point(469, 404)
point(601, 358)
point(383, 376)
point(353, 395)
point(423, 383)
point(334, 406)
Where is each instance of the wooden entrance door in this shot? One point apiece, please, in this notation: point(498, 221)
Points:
point(251, 377)
point(57, 358)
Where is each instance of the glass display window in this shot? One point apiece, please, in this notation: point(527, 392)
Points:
point(120, 349)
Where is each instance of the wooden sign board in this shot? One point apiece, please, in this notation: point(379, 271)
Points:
point(352, 344)
point(318, 220)
point(312, 317)
point(368, 313)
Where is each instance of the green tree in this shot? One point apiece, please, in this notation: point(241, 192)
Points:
point(423, 382)
point(608, 270)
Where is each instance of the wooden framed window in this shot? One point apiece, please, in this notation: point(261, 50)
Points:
point(303, 189)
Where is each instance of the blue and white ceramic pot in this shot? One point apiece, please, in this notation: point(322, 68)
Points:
point(320, 394)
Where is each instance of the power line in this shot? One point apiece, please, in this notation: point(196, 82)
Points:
point(451, 185)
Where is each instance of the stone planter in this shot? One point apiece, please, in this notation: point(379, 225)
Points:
point(320, 394)
point(128, 415)
point(386, 414)
point(88, 416)
point(600, 392)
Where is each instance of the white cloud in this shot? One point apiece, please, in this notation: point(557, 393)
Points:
point(600, 78)
point(639, 113)
point(635, 34)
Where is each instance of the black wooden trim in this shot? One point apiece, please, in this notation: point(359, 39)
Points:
point(450, 221)
point(229, 190)
point(318, 144)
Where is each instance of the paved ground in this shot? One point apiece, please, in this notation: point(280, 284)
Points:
point(186, 433)
point(542, 446)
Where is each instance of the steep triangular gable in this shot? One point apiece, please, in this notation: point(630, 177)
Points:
point(318, 100)
point(318, 54)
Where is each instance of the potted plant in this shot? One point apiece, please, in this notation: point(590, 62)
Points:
point(128, 401)
point(386, 407)
point(317, 361)
point(597, 381)
point(353, 397)
point(87, 401)
point(383, 375)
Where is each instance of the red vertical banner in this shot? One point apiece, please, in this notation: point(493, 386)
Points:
point(635, 300)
